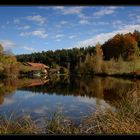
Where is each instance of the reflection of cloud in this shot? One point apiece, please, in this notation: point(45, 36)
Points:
point(27, 96)
point(8, 101)
point(87, 100)
point(21, 95)
point(73, 106)
point(40, 110)
point(93, 101)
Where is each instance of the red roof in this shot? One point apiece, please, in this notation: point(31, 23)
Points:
point(37, 65)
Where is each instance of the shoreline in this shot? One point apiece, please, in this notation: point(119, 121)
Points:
point(124, 76)
point(117, 75)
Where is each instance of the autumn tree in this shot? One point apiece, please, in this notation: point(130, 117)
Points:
point(98, 58)
point(136, 35)
point(124, 45)
point(8, 64)
point(130, 49)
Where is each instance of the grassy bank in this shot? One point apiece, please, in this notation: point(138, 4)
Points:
point(19, 126)
point(124, 120)
point(121, 75)
point(114, 67)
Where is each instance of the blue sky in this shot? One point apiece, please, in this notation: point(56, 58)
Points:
point(27, 29)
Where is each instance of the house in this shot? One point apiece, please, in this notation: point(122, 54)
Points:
point(37, 67)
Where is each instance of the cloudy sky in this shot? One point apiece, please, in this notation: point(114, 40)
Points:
point(27, 29)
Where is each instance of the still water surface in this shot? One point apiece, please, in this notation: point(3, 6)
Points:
point(74, 97)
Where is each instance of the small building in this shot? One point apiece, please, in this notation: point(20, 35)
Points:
point(37, 67)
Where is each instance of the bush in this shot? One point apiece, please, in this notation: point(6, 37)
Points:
point(63, 70)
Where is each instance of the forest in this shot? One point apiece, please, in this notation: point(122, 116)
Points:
point(119, 54)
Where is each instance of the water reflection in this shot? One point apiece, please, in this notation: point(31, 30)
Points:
point(76, 97)
point(108, 89)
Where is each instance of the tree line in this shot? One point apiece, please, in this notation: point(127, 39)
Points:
point(126, 46)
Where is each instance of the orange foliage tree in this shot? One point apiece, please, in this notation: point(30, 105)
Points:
point(121, 45)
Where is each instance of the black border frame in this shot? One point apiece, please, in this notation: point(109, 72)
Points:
point(73, 3)
point(69, 2)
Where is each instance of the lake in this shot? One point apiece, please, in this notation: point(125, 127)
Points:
point(73, 97)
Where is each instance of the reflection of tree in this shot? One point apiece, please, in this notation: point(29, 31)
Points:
point(92, 88)
point(116, 90)
point(7, 86)
point(110, 89)
point(1, 99)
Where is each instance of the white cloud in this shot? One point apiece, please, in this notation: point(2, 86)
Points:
point(58, 7)
point(69, 10)
point(37, 18)
point(16, 21)
point(72, 36)
point(63, 22)
point(58, 40)
point(7, 44)
point(138, 18)
point(82, 16)
point(59, 36)
point(101, 38)
point(102, 23)
point(118, 23)
point(29, 48)
point(67, 24)
point(39, 33)
point(43, 7)
point(73, 11)
point(26, 27)
point(105, 11)
point(84, 21)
